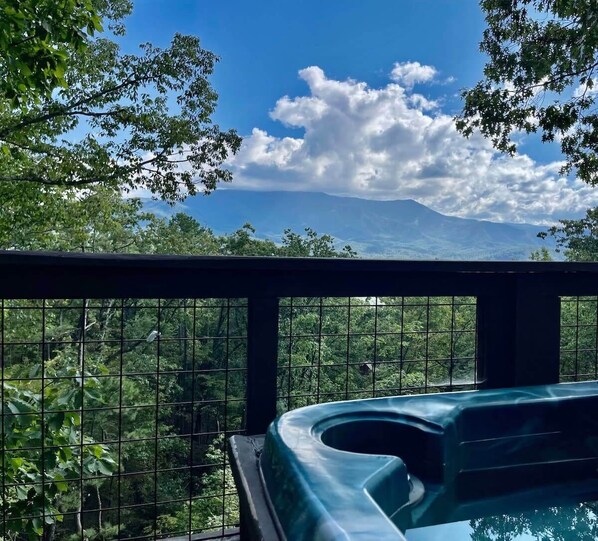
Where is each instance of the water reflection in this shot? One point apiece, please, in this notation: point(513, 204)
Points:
point(577, 522)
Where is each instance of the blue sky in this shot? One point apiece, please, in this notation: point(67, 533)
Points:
point(263, 44)
point(355, 97)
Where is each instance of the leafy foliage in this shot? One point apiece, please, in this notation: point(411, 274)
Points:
point(338, 349)
point(44, 456)
point(542, 254)
point(577, 238)
point(207, 513)
point(123, 121)
point(540, 77)
point(36, 39)
point(96, 220)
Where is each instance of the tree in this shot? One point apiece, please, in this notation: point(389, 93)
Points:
point(577, 238)
point(36, 39)
point(37, 482)
point(541, 254)
point(540, 77)
point(312, 245)
point(97, 220)
point(123, 121)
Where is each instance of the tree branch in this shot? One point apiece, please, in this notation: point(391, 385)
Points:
point(67, 109)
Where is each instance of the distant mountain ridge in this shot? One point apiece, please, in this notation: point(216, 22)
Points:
point(401, 228)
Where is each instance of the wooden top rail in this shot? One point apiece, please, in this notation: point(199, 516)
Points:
point(67, 275)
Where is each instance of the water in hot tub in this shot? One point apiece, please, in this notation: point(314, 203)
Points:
point(577, 522)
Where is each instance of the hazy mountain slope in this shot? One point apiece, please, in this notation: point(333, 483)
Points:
point(401, 228)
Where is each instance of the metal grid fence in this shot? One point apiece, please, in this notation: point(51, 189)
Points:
point(115, 412)
point(115, 415)
point(346, 348)
point(579, 339)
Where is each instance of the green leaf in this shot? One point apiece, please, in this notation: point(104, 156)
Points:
point(106, 467)
point(16, 462)
point(60, 483)
point(66, 453)
point(73, 418)
point(23, 491)
point(47, 26)
point(35, 371)
point(17, 406)
point(37, 525)
point(55, 421)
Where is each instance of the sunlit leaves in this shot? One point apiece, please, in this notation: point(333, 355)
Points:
point(144, 122)
point(36, 39)
point(141, 120)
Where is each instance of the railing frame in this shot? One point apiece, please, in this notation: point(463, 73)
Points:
point(518, 305)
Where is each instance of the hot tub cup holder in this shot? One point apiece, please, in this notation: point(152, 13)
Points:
point(349, 470)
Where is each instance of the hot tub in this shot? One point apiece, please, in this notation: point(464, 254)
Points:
point(374, 469)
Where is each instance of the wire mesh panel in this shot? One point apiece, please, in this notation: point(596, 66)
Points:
point(115, 412)
point(115, 415)
point(339, 349)
point(579, 339)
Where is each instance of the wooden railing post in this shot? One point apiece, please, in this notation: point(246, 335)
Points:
point(518, 334)
point(262, 353)
point(496, 328)
point(537, 339)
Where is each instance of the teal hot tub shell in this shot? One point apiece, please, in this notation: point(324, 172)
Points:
point(370, 469)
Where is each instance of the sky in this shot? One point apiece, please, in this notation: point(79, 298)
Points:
point(357, 98)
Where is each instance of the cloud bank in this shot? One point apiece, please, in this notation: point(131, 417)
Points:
point(394, 143)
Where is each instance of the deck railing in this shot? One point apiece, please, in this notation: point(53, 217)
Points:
point(122, 375)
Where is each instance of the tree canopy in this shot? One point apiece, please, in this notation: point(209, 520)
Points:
point(539, 77)
point(578, 239)
point(36, 38)
point(126, 121)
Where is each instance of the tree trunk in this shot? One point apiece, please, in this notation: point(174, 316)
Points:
point(99, 508)
point(81, 359)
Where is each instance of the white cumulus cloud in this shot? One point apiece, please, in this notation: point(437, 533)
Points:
point(393, 143)
point(410, 73)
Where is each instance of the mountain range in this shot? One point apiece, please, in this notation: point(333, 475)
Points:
point(402, 229)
